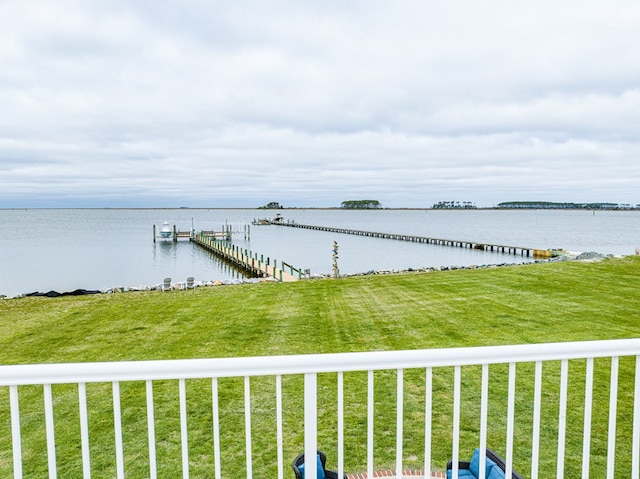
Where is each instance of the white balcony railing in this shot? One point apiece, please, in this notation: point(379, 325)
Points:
point(572, 410)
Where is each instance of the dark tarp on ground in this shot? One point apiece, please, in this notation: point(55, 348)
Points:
point(55, 294)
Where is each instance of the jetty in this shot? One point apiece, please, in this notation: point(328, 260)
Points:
point(219, 243)
point(248, 260)
point(514, 250)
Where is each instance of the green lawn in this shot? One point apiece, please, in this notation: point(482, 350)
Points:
point(538, 303)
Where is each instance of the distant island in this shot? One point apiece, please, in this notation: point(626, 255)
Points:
point(273, 205)
point(468, 205)
point(361, 204)
point(567, 206)
point(454, 205)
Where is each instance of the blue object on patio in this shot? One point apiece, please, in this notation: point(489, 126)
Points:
point(494, 467)
point(298, 467)
point(319, 467)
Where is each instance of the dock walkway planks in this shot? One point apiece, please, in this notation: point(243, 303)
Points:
point(246, 259)
point(515, 250)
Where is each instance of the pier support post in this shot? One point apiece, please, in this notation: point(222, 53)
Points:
point(154, 233)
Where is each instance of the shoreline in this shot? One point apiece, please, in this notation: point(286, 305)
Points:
point(317, 208)
point(589, 256)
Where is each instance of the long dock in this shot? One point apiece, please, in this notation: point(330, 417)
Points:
point(248, 260)
point(514, 250)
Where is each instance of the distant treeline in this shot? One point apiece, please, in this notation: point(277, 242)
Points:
point(553, 205)
point(446, 205)
point(274, 205)
point(361, 204)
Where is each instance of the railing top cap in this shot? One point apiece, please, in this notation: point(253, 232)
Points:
point(310, 363)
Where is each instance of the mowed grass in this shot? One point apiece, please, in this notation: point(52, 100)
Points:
point(537, 303)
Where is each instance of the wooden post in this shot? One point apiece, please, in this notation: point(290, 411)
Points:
point(175, 234)
point(154, 233)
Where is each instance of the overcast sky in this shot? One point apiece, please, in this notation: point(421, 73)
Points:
point(309, 103)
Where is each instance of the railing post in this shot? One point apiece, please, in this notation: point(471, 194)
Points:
point(613, 402)
point(84, 430)
point(562, 417)
point(484, 408)
point(588, 406)
point(399, 419)
point(635, 456)
point(184, 435)
point(511, 400)
point(370, 422)
point(216, 428)
point(279, 431)
point(535, 440)
point(49, 429)
point(15, 431)
point(455, 434)
point(247, 426)
point(340, 424)
point(117, 425)
point(310, 425)
point(151, 431)
point(428, 408)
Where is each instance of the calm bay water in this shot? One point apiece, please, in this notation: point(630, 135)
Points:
point(63, 250)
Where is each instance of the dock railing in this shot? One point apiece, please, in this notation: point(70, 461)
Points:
point(572, 410)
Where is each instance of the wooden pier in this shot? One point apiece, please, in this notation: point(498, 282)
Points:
point(514, 250)
point(247, 260)
point(176, 234)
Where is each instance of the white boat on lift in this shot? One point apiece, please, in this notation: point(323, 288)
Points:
point(165, 231)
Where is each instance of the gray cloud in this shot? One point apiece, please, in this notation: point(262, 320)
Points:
point(235, 104)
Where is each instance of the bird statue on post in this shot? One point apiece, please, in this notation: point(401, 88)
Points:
point(336, 271)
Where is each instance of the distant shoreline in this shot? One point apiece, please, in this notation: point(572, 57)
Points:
point(318, 208)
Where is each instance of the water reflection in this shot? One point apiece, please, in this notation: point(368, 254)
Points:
point(165, 250)
point(185, 253)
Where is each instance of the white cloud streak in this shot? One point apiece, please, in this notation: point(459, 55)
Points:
point(240, 103)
